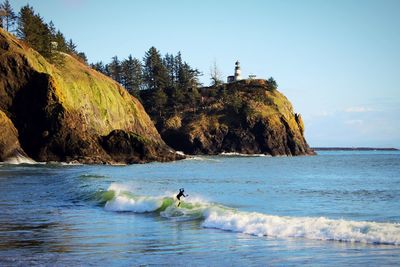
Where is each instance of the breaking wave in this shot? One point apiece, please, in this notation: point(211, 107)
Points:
point(120, 198)
point(305, 227)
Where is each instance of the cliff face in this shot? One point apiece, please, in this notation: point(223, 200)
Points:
point(70, 112)
point(243, 117)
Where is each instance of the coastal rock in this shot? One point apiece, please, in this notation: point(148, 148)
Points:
point(242, 117)
point(66, 112)
point(9, 143)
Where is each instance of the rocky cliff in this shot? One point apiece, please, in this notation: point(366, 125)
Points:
point(70, 112)
point(247, 117)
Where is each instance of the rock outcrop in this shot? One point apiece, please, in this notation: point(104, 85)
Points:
point(70, 112)
point(242, 117)
point(9, 143)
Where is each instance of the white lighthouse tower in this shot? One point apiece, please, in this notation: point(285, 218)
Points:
point(236, 76)
point(237, 71)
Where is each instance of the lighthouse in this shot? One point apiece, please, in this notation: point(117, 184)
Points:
point(236, 76)
point(237, 71)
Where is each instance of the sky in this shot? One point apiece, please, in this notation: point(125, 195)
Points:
point(337, 61)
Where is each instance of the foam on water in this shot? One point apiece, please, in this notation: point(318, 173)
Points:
point(258, 224)
point(20, 159)
point(136, 204)
point(236, 154)
point(305, 227)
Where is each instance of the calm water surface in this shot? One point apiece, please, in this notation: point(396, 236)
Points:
point(337, 208)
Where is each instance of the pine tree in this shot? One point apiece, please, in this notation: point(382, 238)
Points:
point(178, 65)
point(99, 66)
point(114, 69)
point(8, 15)
point(271, 84)
point(82, 57)
point(169, 62)
point(71, 47)
point(159, 100)
point(33, 30)
point(154, 73)
point(61, 43)
point(57, 43)
point(131, 75)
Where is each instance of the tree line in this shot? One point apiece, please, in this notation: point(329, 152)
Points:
point(160, 81)
point(31, 28)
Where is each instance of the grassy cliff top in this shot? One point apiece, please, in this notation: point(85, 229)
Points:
point(252, 97)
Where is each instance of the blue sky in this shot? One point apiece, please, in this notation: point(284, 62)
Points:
point(338, 61)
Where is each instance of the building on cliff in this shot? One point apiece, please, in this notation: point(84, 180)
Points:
point(236, 77)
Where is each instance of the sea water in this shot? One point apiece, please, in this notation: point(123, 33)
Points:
point(336, 208)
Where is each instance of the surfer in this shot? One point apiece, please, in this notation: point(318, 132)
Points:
point(180, 194)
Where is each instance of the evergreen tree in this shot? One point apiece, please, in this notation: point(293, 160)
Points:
point(61, 43)
point(57, 43)
point(131, 75)
point(177, 96)
point(8, 15)
point(114, 69)
point(82, 57)
point(159, 99)
point(155, 74)
point(169, 62)
point(99, 66)
point(33, 30)
point(71, 47)
point(271, 84)
point(155, 77)
point(188, 84)
point(178, 65)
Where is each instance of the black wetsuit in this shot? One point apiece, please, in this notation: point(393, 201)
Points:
point(181, 194)
point(178, 196)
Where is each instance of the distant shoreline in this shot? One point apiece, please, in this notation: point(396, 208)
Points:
point(355, 148)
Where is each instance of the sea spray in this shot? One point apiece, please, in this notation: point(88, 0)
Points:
point(18, 158)
point(136, 204)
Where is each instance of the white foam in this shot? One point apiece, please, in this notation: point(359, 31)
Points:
point(201, 158)
point(72, 163)
point(305, 227)
point(236, 154)
point(134, 204)
point(20, 159)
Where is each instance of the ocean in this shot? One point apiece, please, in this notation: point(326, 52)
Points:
point(339, 208)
